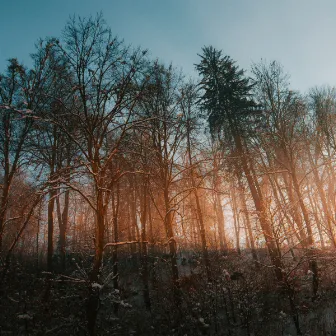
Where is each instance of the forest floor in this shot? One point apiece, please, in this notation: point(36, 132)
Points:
point(38, 303)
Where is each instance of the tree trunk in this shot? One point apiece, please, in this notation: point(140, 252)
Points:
point(261, 211)
point(144, 249)
point(3, 208)
point(93, 296)
point(172, 248)
point(63, 230)
point(198, 209)
point(310, 238)
point(247, 221)
point(293, 201)
point(315, 207)
point(235, 218)
point(134, 225)
point(323, 199)
point(115, 269)
point(218, 208)
point(62, 223)
point(51, 204)
point(151, 232)
point(7, 175)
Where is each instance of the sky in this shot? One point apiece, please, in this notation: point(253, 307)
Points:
point(300, 34)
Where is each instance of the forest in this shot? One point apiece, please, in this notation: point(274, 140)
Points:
point(135, 200)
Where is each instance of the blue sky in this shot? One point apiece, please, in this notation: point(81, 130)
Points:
point(300, 34)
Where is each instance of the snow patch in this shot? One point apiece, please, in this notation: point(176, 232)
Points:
point(96, 285)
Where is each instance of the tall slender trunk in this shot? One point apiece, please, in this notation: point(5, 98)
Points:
point(203, 236)
point(38, 237)
point(236, 223)
point(51, 205)
point(151, 232)
point(59, 220)
point(198, 208)
point(144, 249)
point(134, 225)
point(115, 268)
point(331, 186)
point(310, 237)
point(172, 247)
point(220, 221)
point(218, 208)
point(276, 189)
point(93, 295)
point(3, 208)
point(51, 201)
point(99, 239)
point(261, 211)
point(293, 203)
point(326, 209)
point(18, 236)
point(247, 221)
point(63, 226)
point(10, 161)
point(315, 207)
point(8, 175)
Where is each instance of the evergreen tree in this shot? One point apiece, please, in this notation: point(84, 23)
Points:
point(227, 101)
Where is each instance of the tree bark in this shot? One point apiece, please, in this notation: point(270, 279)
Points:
point(247, 221)
point(218, 208)
point(310, 238)
point(198, 207)
point(261, 211)
point(323, 199)
point(50, 253)
point(236, 223)
point(144, 249)
point(115, 269)
point(172, 247)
